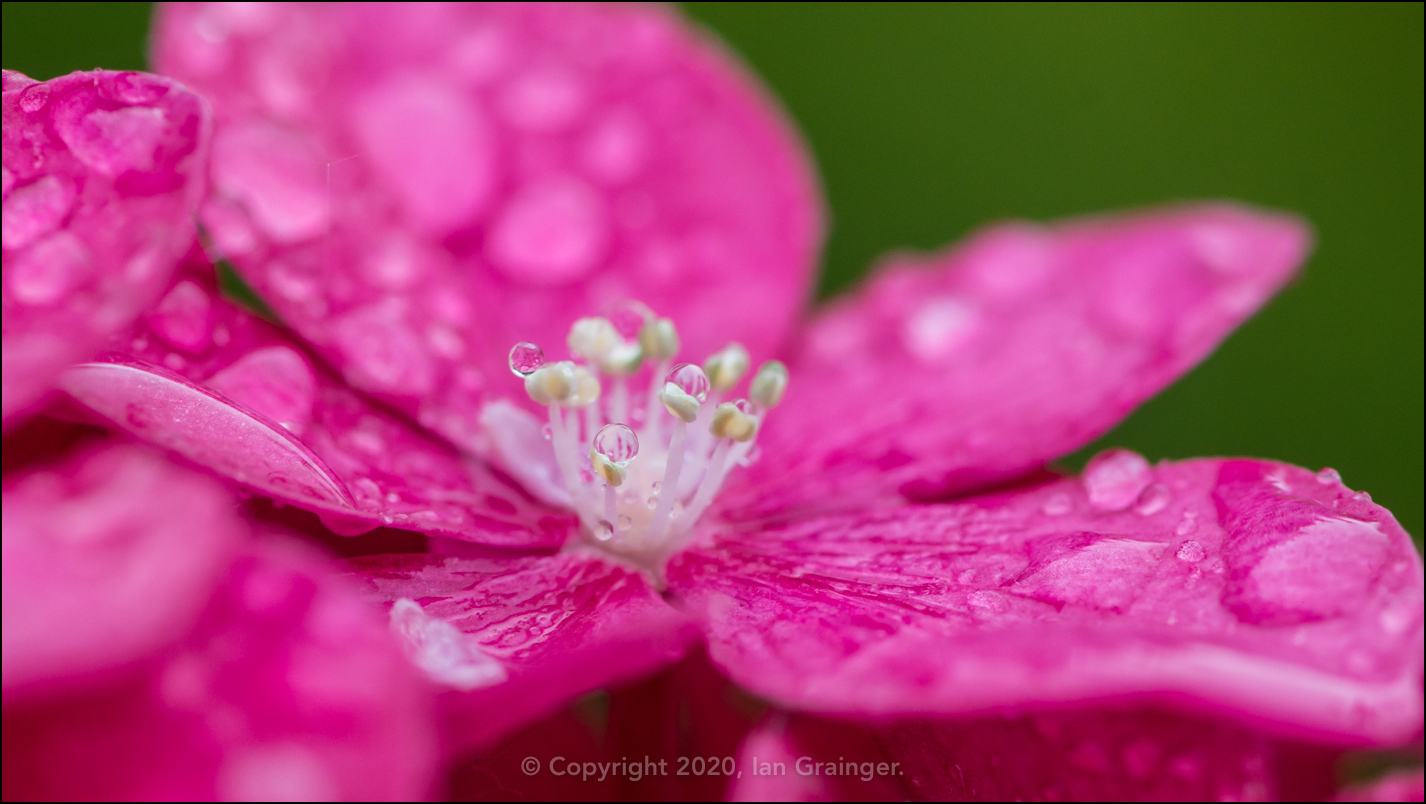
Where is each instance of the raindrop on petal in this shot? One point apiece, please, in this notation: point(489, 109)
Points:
point(617, 443)
point(1154, 498)
point(604, 531)
point(1192, 552)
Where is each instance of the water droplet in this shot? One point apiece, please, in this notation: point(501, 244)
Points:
point(547, 432)
point(1088, 570)
point(690, 379)
point(1058, 504)
point(628, 317)
point(652, 502)
point(604, 531)
point(387, 517)
point(393, 497)
point(1362, 496)
point(1153, 499)
point(526, 358)
point(1328, 476)
point(550, 233)
point(1114, 478)
point(1188, 524)
point(657, 484)
point(625, 522)
point(1191, 551)
point(934, 330)
point(617, 443)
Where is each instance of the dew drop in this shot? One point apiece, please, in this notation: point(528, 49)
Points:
point(1058, 504)
point(617, 443)
point(393, 497)
point(652, 502)
point(547, 432)
point(1362, 496)
point(1191, 551)
point(1114, 479)
point(657, 484)
point(1154, 498)
point(625, 522)
point(1329, 476)
point(604, 531)
point(690, 379)
point(387, 517)
point(628, 317)
point(526, 358)
point(1188, 525)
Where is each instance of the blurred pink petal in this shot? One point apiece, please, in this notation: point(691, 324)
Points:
point(1253, 589)
point(276, 681)
point(959, 370)
point(103, 172)
point(559, 626)
point(414, 189)
point(108, 558)
point(238, 396)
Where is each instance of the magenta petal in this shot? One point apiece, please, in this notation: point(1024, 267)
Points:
point(238, 396)
point(103, 173)
point(108, 557)
point(1253, 589)
point(955, 371)
point(559, 625)
point(289, 688)
point(416, 190)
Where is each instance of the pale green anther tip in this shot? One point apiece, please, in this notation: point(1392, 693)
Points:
point(612, 473)
point(586, 389)
point(659, 339)
point(730, 422)
point(552, 383)
point(623, 360)
point(593, 339)
point(726, 366)
point(769, 385)
point(679, 402)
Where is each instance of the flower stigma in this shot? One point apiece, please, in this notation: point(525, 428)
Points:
point(641, 470)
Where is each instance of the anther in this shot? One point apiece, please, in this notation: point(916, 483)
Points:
point(586, 389)
point(553, 383)
point(593, 339)
point(726, 366)
point(659, 339)
point(684, 390)
point(731, 421)
point(769, 385)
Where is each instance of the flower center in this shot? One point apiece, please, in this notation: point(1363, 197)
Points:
point(641, 470)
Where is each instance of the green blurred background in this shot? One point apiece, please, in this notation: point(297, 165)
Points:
point(930, 120)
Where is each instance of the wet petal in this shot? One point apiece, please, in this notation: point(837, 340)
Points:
point(1113, 753)
point(416, 190)
point(1257, 590)
point(560, 626)
point(103, 174)
point(956, 371)
point(109, 557)
point(246, 402)
point(289, 688)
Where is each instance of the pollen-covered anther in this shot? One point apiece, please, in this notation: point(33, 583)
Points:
point(553, 383)
point(732, 422)
point(593, 339)
point(612, 473)
point(726, 367)
point(769, 385)
point(586, 389)
point(659, 339)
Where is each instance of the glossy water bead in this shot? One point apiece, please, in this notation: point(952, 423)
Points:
point(617, 443)
point(526, 359)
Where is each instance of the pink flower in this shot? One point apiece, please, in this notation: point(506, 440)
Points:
point(416, 191)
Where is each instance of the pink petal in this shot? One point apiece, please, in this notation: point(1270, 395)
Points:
point(1253, 589)
point(956, 371)
point(417, 190)
point(1092, 754)
point(108, 557)
point(103, 174)
point(289, 688)
point(560, 626)
point(234, 394)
